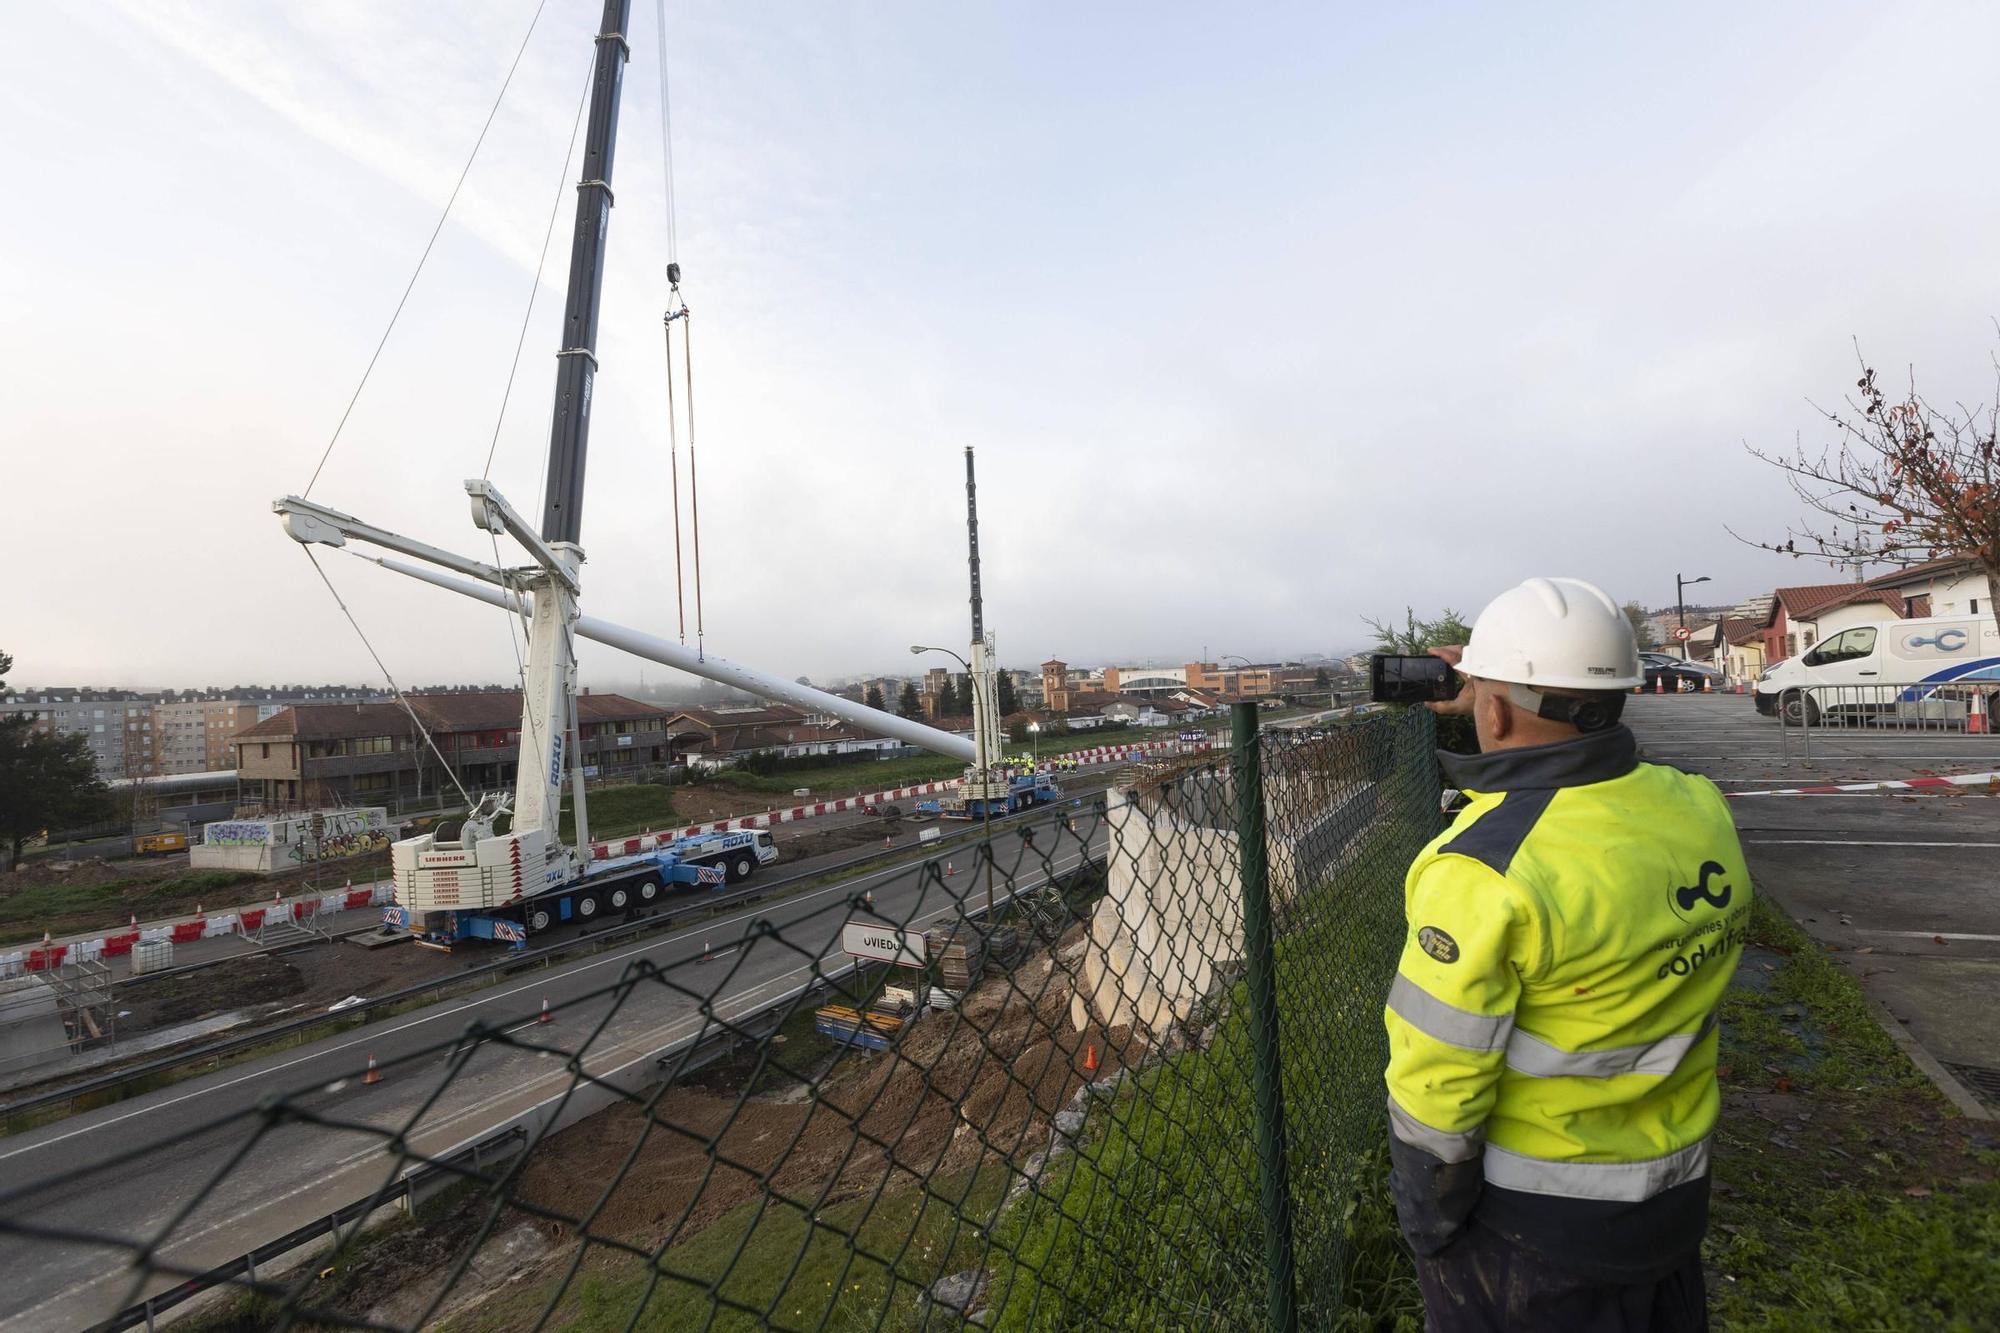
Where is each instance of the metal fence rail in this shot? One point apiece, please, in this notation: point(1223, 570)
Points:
point(1141, 1094)
point(1933, 708)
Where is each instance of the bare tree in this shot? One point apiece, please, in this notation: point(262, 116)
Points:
point(1903, 481)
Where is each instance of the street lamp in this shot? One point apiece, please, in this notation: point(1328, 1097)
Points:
point(916, 648)
point(1680, 607)
point(1035, 744)
point(982, 768)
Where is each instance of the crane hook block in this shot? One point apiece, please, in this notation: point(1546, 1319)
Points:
point(673, 275)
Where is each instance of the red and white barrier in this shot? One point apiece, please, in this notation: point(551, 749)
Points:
point(185, 930)
point(601, 851)
point(1899, 784)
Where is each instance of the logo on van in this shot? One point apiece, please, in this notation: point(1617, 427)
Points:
point(1945, 640)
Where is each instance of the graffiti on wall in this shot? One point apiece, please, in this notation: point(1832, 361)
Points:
point(237, 833)
point(328, 835)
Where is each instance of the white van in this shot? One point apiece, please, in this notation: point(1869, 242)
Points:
point(1895, 666)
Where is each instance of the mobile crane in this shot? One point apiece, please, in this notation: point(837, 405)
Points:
point(502, 872)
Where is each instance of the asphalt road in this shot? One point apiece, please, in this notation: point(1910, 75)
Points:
point(1895, 884)
point(213, 1166)
point(1724, 737)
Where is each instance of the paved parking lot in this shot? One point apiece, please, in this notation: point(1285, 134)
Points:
point(1901, 884)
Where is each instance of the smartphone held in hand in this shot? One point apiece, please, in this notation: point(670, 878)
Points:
point(1396, 679)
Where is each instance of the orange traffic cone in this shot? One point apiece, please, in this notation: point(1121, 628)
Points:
point(888, 841)
point(868, 900)
point(707, 954)
point(1090, 1059)
point(1975, 721)
point(545, 1011)
point(950, 869)
point(1704, 685)
point(373, 1075)
point(1659, 684)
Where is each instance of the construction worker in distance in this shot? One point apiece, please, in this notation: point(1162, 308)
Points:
point(1552, 1025)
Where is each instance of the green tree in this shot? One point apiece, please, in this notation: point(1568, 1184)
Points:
point(1017, 730)
point(874, 696)
point(6, 665)
point(1419, 636)
point(1642, 631)
point(47, 783)
point(907, 703)
point(1321, 680)
point(961, 696)
point(1009, 702)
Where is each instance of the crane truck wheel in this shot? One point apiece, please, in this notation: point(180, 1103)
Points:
point(740, 867)
point(649, 889)
point(586, 905)
point(539, 920)
point(619, 898)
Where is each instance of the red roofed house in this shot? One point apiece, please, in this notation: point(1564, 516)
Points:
point(1800, 617)
point(1953, 586)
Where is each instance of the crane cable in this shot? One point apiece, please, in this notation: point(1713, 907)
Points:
point(677, 310)
point(411, 285)
point(394, 688)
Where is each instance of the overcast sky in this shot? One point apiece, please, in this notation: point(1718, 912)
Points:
point(1261, 322)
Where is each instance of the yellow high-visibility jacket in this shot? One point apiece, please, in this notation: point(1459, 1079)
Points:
point(1552, 1025)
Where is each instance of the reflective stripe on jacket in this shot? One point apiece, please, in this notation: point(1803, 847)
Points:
point(1552, 1025)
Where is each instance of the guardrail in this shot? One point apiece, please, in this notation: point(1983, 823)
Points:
point(1929, 707)
point(659, 918)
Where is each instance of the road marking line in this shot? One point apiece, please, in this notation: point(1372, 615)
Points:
point(1926, 934)
point(1860, 842)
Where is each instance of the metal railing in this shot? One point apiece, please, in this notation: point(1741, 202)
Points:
point(1144, 1093)
point(1938, 709)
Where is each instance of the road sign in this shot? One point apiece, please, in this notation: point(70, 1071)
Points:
point(884, 944)
point(1682, 633)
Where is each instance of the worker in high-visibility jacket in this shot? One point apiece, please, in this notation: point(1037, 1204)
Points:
point(1552, 1024)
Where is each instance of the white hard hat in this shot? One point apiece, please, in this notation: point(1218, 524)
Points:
point(1563, 633)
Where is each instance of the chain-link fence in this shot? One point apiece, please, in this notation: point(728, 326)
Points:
point(1114, 1063)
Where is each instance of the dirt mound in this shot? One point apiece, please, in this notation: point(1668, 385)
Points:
point(960, 1090)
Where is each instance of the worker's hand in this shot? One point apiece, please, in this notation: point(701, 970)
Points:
point(1462, 705)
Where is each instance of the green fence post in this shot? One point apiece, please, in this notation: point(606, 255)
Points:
point(1265, 1076)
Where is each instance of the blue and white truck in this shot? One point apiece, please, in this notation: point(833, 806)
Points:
point(472, 879)
point(994, 798)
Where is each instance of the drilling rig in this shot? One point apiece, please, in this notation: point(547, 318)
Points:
point(990, 787)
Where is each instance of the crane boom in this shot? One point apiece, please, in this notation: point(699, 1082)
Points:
point(576, 361)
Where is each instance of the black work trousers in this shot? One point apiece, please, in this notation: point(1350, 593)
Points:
point(1481, 1283)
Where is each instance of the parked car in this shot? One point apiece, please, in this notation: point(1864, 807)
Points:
point(1670, 674)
